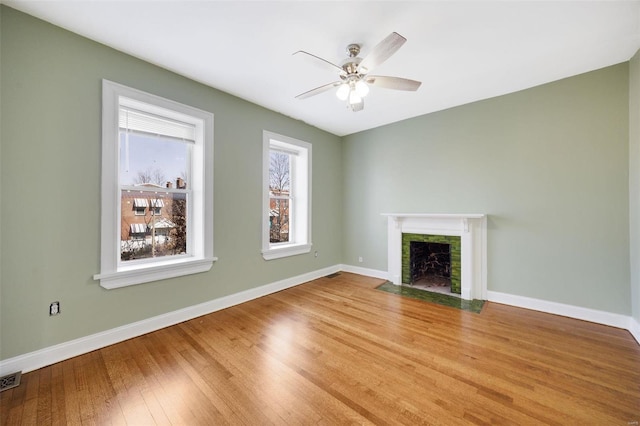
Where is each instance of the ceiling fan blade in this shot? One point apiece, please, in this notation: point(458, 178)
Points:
point(331, 64)
point(395, 83)
point(381, 52)
point(318, 90)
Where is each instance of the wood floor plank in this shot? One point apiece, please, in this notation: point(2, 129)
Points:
point(337, 351)
point(58, 400)
point(43, 415)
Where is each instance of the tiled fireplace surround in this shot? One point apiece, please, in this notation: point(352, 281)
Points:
point(472, 230)
point(453, 244)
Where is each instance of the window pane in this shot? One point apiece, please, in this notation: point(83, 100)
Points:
point(279, 176)
point(152, 160)
point(279, 190)
point(278, 220)
point(152, 224)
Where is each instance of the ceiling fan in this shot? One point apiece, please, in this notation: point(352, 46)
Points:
point(355, 80)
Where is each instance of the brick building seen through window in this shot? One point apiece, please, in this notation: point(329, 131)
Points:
point(153, 221)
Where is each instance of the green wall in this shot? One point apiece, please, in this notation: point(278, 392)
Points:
point(549, 165)
point(634, 182)
point(50, 177)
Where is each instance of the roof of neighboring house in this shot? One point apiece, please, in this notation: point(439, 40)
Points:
point(141, 228)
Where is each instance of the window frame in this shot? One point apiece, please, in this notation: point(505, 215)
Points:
point(113, 273)
point(299, 196)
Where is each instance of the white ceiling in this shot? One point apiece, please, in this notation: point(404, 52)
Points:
point(462, 51)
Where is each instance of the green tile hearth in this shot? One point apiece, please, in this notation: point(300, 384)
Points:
point(438, 298)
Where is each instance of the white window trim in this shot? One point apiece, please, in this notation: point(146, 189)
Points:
point(114, 274)
point(300, 234)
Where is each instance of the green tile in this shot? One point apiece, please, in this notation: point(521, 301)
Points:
point(474, 306)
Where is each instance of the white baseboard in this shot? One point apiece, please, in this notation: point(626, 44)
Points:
point(634, 329)
point(50, 355)
point(586, 314)
point(365, 271)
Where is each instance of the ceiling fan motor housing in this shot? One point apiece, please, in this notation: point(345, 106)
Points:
point(350, 65)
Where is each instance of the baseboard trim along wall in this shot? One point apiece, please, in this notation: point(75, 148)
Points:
point(365, 271)
point(47, 356)
point(634, 329)
point(577, 312)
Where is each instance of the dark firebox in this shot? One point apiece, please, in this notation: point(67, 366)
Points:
point(430, 262)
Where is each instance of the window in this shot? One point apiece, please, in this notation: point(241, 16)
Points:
point(157, 193)
point(286, 229)
point(140, 206)
point(157, 204)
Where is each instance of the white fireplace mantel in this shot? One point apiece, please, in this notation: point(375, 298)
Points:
point(472, 230)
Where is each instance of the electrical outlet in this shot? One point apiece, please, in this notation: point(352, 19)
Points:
point(54, 308)
point(316, 254)
point(360, 259)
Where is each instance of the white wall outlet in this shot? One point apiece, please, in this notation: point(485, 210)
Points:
point(360, 259)
point(54, 308)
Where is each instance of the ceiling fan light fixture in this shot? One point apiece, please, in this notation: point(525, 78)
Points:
point(354, 98)
point(362, 89)
point(343, 92)
point(357, 107)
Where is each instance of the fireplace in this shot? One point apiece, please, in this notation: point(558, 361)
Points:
point(466, 236)
point(431, 259)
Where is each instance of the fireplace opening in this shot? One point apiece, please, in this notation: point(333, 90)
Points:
point(430, 265)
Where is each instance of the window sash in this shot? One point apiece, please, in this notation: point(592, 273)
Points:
point(152, 201)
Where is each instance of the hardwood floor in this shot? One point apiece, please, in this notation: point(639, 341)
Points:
point(336, 351)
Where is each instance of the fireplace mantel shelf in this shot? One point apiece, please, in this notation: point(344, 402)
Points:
point(452, 218)
point(471, 228)
point(436, 215)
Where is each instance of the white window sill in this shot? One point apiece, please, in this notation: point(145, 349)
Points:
point(154, 272)
point(277, 252)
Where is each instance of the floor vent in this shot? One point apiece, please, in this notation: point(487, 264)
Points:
point(10, 381)
point(333, 275)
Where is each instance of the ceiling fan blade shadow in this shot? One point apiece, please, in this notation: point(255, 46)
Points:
point(318, 90)
point(381, 52)
point(331, 64)
point(394, 83)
